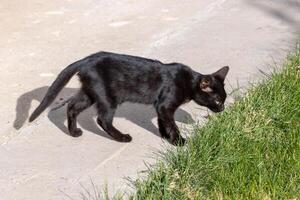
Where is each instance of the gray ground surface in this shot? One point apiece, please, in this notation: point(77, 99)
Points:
point(39, 38)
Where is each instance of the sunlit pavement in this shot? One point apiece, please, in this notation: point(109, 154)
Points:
point(39, 38)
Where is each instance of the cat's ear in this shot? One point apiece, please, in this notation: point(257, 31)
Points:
point(221, 73)
point(205, 84)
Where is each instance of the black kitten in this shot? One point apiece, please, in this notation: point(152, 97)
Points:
point(110, 79)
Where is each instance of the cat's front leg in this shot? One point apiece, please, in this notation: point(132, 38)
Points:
point(175, 137)
point(162, 129)
point(168, 127)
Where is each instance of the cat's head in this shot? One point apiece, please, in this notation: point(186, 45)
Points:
point(210, 90)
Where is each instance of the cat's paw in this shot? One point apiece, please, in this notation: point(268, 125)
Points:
point(165, 136)
point(76, 133)
point(125, 138)
point(179, 141)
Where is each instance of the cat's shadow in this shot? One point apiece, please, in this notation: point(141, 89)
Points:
point(139, 114)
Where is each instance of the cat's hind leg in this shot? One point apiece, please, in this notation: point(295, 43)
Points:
point(77, 104)
point(105, 120)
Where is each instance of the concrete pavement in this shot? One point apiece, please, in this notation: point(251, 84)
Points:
point(39, 38)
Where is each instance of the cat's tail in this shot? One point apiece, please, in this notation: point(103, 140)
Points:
point(59, 83)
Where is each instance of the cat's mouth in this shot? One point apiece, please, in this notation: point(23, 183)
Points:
point(217, 109)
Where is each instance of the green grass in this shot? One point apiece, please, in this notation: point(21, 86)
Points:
point(250, 151)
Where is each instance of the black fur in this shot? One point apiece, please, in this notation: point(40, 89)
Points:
point(110, 79)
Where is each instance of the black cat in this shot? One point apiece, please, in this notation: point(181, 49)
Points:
point(109, 79)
